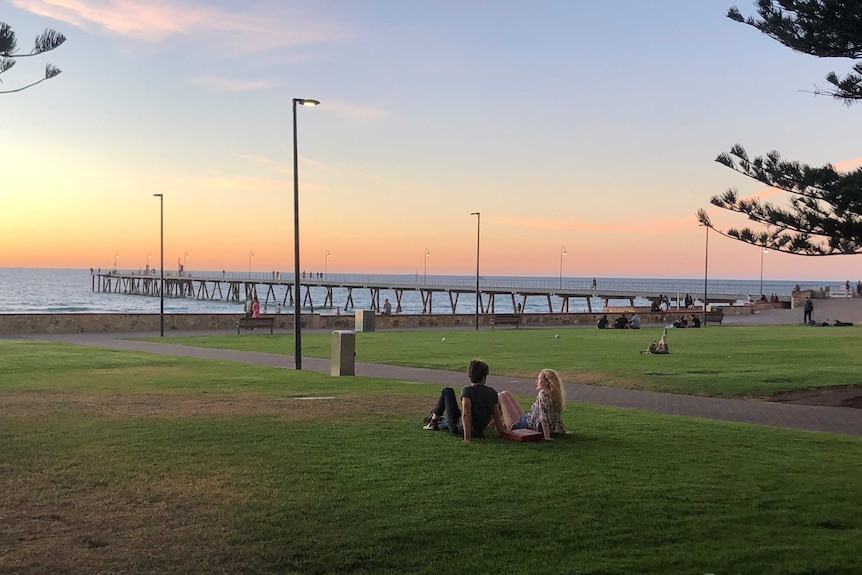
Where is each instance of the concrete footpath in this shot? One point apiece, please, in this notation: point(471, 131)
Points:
point(844, 420)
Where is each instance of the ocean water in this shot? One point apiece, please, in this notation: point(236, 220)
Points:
point(43, 290)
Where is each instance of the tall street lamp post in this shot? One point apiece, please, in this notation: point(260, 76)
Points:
point(705, 274)
point(562, 253)
point(186, 262)
point(250, 255)
point(116, 257)
point(149, 255)
point(763, 251)
point(425, 274)
point(478, 235)
point(326, 264)
point(161, 263)
point(297, 310)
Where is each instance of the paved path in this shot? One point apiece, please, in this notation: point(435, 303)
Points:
point(843, 420)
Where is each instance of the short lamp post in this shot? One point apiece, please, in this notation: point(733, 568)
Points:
point(326, 264)
point(297, 310)
point(116, 257)
point(763, 251)
point(562, 253)
point(425, 261)
point(250, 255)
point(186, 262)
point(161, 263)
point(478, 236)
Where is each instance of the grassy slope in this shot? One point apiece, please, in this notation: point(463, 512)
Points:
point(140, 463)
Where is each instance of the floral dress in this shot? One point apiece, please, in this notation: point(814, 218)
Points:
point(543, 410)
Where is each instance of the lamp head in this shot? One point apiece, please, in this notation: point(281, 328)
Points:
point(305, 102)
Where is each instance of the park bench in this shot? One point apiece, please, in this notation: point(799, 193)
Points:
point(714, 316)
point(505, 319)
point(253, 322)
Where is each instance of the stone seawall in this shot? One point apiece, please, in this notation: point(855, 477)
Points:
point(26, 324)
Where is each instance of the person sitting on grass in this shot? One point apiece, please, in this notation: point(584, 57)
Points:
point(603, 322)
point(545, 414)
point(479, 406)
point(659, 348)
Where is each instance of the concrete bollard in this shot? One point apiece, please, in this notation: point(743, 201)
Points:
point(364, 320)
point(343, 353)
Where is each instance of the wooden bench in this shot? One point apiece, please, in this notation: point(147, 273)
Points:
point(714, 316)
point(253, 322)
point(505, 319)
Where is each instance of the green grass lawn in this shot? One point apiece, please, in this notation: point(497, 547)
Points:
point(728, 361)
point(126, 462)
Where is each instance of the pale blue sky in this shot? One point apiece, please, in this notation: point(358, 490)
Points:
point(587, 124)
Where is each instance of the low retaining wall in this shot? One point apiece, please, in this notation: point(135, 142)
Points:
point(27, 324)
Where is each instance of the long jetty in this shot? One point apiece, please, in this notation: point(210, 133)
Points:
point(508, 294)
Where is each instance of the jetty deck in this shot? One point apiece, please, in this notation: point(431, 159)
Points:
point(507, 296)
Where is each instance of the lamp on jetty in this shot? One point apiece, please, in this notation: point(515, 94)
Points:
point(116, 257)
point(186, 262)
point(149, 255)
point(250, 255)
point(161, 263)
point(425, 274)
point(763, 251)
point(326, 264)
point(478, 235)
point(297, 310)
point(562, 253)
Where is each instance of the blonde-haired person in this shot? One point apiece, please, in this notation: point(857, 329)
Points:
point(545, 415)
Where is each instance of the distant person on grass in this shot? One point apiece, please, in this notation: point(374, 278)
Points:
point(808, 309)
point(546, 413)
point(479, 406)
point(659, 348)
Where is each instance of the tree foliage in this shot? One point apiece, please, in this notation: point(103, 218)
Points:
point(825, 212)
point(45, 42)
point(823, 28)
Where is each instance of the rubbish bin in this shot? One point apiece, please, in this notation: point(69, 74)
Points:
point(365, 320)
point(343, 353)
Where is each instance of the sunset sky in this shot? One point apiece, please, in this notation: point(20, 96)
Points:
point(576, 123)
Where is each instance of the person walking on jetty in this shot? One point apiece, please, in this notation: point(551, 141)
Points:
point(479, 406)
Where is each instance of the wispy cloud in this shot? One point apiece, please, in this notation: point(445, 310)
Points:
point(639, 225)
point(155, 20)
point(354, 111)
point(848, 164)
point(257, 159)
point(219, 84)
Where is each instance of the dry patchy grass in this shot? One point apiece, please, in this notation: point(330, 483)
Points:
point(47, 403)
point(54, 521)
